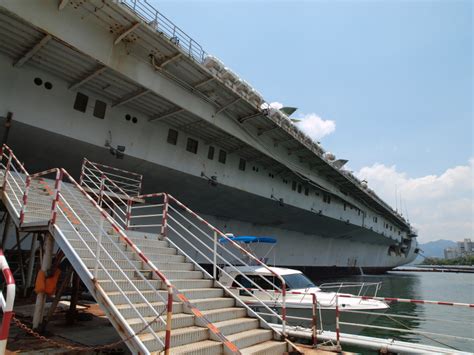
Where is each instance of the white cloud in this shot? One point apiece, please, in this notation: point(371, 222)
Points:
point(441, 207)
point(316, 127)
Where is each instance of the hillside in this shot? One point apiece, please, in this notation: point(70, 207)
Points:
point(434, 249)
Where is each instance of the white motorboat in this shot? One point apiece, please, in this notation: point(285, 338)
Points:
point(265, 283)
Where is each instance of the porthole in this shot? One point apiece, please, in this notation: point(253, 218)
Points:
point(128, 117)
point(38, 81)
point(134, 120)
point(48, 85)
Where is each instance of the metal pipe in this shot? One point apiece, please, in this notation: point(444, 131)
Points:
point(214, 271)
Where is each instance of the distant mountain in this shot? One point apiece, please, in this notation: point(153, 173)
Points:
point(434, 249)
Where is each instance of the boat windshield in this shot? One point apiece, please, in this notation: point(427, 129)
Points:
point(266, 282)
point(296, 281)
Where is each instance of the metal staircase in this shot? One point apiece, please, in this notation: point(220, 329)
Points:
point(157, 297)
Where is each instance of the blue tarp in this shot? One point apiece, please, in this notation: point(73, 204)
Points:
point(249, 239)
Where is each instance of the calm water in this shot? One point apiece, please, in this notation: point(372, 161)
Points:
point(457, 321)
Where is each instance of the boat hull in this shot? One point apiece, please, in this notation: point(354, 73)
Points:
point(326, 318)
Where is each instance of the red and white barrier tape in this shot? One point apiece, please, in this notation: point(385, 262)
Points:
point(6, 303)
point(407, 300)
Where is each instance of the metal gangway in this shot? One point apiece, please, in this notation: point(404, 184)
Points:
point(158, 298)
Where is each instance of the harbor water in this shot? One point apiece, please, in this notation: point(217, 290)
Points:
point(438, 286)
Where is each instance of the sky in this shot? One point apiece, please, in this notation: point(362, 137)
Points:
point(387, 85)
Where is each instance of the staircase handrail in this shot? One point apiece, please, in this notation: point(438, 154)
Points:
point(6, 304)
point(136, 187)
point(140, 254)
point(60, 174)
point(165, 216)
point(104, 180)
point(97, 254)
point(13, 156)
point(12, 162)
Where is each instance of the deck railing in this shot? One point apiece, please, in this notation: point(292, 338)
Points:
point(166, 27)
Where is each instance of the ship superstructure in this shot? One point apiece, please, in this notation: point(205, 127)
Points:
point(118, 83)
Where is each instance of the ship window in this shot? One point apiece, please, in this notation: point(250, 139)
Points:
point(306, 191)
point(242, 164)
point(38, 81)
point(81, 102)
point(222, 156)
point(48, 85)
point(172, 136)
point(345, 206)
point(299, 188)
point(293, 185)
point(192, 145)
point(99, 109)
point(375, 219)
point(210, 153)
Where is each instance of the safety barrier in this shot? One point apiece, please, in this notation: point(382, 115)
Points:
point(430, 335)
point(6, 303)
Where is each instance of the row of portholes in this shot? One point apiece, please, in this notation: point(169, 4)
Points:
point(133, 119)
point(47, 84)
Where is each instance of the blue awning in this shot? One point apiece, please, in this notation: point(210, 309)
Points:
point(249, 239)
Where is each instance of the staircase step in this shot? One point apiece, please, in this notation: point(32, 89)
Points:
point(179, 320)
point(180, 336)
point(192, 283)
point(145, 243)
point(237, 325)
point(270, 347)
point(180, 274)
point(131, 274)
point(213, 303)
point(117, 255)
point(222, 314)
point(250, 337)
point(133, 296)
point(147, 310)
point(126, 285)
point(199, 293)
point(206, 347)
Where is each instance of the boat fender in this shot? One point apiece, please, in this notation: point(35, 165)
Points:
point(52, 282)
point(40, 282)
point(45, 284)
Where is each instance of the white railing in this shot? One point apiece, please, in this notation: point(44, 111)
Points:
point(96, 234)
point(186, 230)
point(360, 288)
point(121, 182)
point(15, 179)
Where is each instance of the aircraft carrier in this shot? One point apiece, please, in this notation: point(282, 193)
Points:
point(119, 83)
